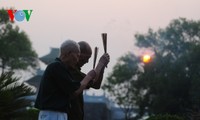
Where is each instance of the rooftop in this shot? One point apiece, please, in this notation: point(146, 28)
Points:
point(51, 56)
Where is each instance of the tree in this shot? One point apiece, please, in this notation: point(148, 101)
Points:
point(119, 83)
point(15, 53)
point(169, 79)
point(12, 97)
point(165, 117)
point(15, 49)
point(170, 82)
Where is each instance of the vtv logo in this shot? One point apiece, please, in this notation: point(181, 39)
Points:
point(19, 15)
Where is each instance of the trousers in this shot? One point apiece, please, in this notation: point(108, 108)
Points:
point(52, 115)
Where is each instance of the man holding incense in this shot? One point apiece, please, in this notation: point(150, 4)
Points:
point(76, 111)
point(57, 84)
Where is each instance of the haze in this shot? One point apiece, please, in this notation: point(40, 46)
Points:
point(54, 21)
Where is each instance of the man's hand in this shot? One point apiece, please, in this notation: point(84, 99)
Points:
point(105, 59)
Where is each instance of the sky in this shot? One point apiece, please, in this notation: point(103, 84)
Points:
point(55, 21)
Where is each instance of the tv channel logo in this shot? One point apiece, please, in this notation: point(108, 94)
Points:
point(19, 15)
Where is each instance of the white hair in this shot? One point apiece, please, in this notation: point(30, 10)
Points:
point(69, 46)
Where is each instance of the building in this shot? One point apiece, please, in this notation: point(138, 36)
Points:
point(97, 107)
point(51, 56)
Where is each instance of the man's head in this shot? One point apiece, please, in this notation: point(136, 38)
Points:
point(86, 53)
point(69, 53)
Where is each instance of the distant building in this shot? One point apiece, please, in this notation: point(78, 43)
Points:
point(97, 108)
point(51, 56)
point(35, 80)
point(101, 108)
point(47, 59)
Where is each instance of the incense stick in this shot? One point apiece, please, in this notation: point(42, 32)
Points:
point(104, 38)
point(95, 56)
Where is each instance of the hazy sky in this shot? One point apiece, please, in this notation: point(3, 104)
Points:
point(54, 21)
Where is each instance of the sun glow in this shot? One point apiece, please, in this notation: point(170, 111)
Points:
point(146, 58)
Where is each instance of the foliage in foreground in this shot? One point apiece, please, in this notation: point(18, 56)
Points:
point(165, 117)
point(12, 97)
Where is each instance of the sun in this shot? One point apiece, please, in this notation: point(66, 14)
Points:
point(146, 58)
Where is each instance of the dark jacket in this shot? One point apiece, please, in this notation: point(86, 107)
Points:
point(77, 104)
point(76, 111)
point(56, 87)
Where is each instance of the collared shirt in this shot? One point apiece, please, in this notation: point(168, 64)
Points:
point(56, 87)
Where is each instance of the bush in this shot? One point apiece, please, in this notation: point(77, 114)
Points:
point(12, 96)
point(30, 114)
point(165, 117)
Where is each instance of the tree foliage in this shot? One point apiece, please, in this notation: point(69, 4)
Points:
point(120, 80)
point(12, 97)
point(165, 117)
point(170, 82)
point(15, 53)
point(15, 49)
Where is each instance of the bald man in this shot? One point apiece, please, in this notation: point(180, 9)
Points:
point(57, 84)
point(77, 103)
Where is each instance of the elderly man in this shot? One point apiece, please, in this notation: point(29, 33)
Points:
point(76, 111)
point(57, 84)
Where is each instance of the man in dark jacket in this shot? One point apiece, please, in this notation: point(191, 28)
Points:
point(76, 111)
point(57, 84)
